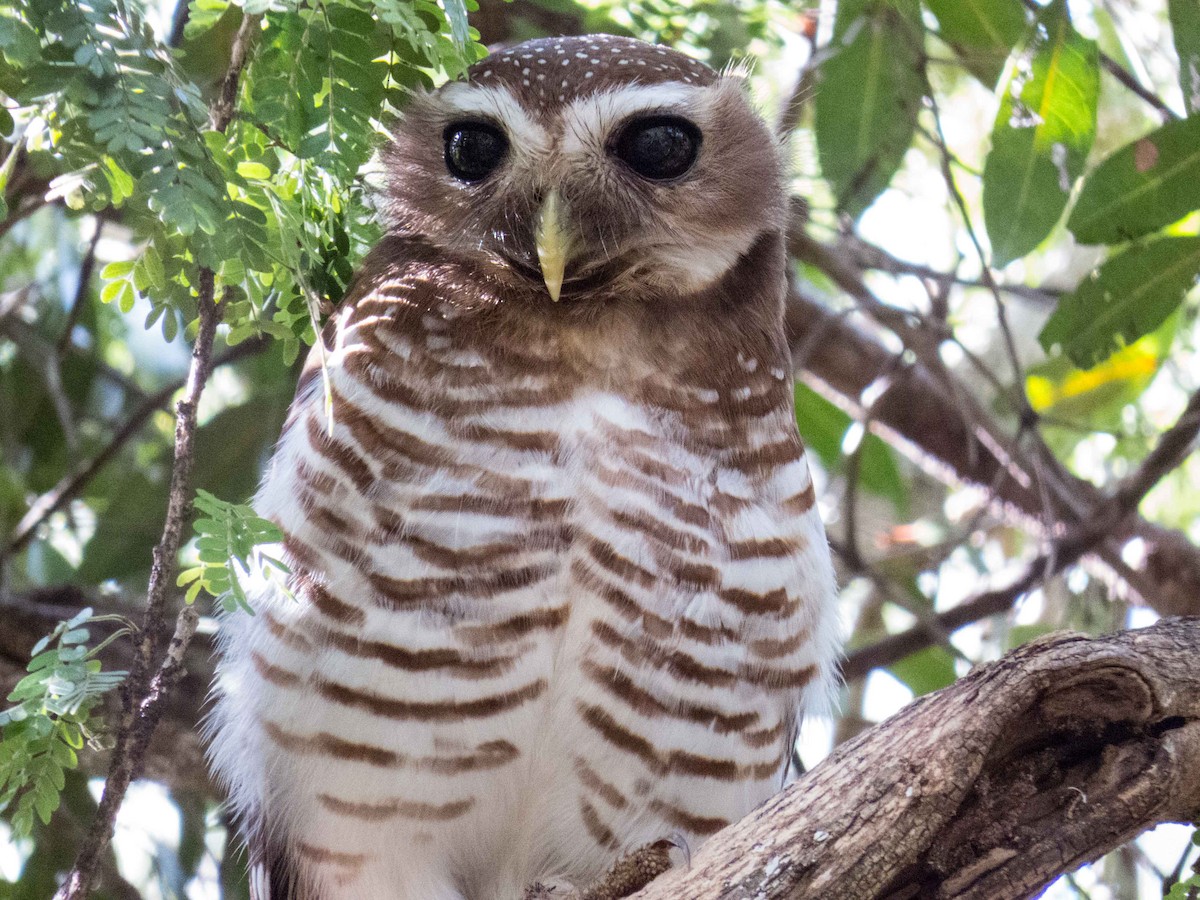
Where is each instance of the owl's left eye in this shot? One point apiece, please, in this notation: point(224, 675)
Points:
point(474, 149)
point(658, 147)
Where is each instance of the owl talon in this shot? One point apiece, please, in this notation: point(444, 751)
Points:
point(634, 870)
point(679, 841)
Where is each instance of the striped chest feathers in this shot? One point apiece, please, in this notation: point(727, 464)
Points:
point(559, 619)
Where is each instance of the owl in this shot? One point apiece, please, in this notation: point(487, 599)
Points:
point(557, 587)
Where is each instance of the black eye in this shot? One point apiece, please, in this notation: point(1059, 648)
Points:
point(659, 148)
point(473, 149)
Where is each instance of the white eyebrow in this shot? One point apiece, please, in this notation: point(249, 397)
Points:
point(460, 98)
point(589, 118)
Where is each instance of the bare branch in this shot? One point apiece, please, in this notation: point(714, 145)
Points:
point(929, 415)
point(70, 486)
point(1173, 447)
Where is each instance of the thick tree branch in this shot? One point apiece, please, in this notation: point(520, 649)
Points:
point(987, 790)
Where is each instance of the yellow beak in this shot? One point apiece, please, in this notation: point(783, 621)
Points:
point(552, 243)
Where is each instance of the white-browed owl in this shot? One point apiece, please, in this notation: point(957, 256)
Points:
point(558, 587)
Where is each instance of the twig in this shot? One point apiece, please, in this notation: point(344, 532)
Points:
point(869, 256)
point(156, 667)
point(1172, 449)
point(789, 115)
point(1018, 391)
point(81, 290)
point(147, 682)
point(70, 486)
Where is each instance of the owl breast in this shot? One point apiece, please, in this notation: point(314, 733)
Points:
point(535, 616)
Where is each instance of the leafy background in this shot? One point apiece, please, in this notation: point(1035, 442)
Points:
point(1020, 179)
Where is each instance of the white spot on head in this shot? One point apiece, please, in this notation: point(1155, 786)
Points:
point(588, 74)
point(581, 56)
point(594, 61)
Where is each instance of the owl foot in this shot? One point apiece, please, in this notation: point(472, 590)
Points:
point(636, 869)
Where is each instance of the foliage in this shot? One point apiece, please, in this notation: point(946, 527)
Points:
point(1187, 888)
point(876, 63)
point(271, 204)
point(51, 720)
point(228, 538)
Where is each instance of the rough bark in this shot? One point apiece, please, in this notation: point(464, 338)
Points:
point(987, 790)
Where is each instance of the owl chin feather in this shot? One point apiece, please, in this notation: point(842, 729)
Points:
point(558, 590)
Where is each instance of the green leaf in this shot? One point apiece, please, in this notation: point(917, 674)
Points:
point(1185, 26)
point(927, 671)
point(19, 44)
point(1129, 296)
point(823, 427)
point(251, 169)
point(119, 269)
point(1041, 136)
point(868, 99)
point(456, 15)
point(982, 32)
point(1145, 185)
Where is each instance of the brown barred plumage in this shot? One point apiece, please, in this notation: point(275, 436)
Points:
point(558, 587)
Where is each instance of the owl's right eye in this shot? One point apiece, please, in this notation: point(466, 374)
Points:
point(474, 149)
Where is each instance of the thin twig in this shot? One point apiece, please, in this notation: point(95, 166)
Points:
point(870, 256)
point(81, 290)
point(69, 486)
point(1010, 345)
point(145, 685)
point(155, 667)
point(793, 108)
point(1172, 449)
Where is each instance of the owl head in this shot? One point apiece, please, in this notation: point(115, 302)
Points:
point(580, 166)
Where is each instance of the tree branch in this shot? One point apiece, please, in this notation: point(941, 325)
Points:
point(936, 422)
point(70, 486)
point(987, 790)
point(1172, 448)
point(156, 667)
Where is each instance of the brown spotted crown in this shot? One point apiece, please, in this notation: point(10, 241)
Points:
point(551, 71)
